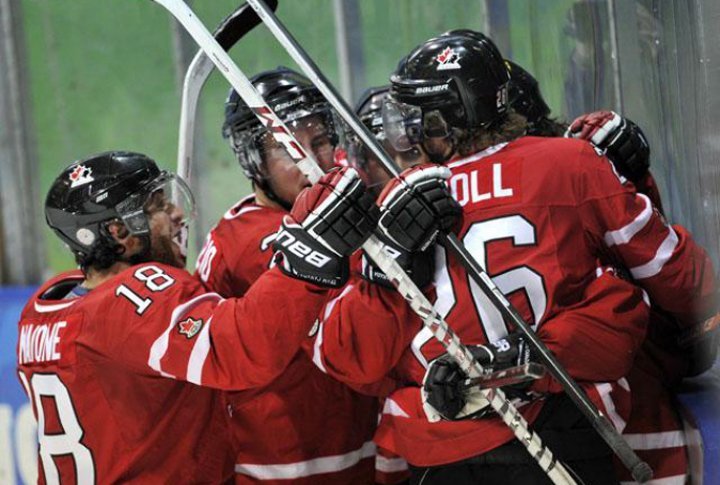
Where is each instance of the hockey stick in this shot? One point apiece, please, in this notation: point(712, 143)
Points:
point(374, 248)
point(508, 377)
point(228, 33)
point(640, 470)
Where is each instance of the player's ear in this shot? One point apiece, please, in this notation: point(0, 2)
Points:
point(120, 233)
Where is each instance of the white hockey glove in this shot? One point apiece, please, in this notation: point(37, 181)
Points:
point(328, 222)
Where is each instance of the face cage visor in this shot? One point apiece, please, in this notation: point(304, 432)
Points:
point(360, 156)
point(406, 125)
point(315, 130)
point(167, 192)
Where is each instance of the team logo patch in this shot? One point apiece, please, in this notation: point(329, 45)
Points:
point(81, 175)
point(190, 327)
point(448, 59)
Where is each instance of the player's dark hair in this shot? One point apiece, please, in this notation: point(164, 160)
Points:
point(107, 251)
point(547, 127)
point(476, 139)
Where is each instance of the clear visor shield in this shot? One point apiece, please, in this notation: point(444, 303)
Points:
point(316, 134)
point(371, 169)
point(402, 124)
point(168, 193)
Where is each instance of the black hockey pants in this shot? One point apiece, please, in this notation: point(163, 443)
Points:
point(561, 426)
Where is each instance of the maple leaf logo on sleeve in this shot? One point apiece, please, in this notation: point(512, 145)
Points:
point(190, 327)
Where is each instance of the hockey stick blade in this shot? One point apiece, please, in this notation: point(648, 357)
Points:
point(555, 470)
point(228, 33)
point(507, 377)
point(640, 470)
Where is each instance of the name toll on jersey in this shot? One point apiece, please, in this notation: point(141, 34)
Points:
point(482, 184)
point(40, 343)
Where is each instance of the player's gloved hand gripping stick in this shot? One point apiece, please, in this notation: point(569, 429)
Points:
point(496, 398)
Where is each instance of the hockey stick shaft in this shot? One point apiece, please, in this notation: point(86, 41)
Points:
point(233, 28)
point(508, 377)
point(509, 414)
point(640, 470)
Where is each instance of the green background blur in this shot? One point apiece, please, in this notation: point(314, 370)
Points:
point(102, 76)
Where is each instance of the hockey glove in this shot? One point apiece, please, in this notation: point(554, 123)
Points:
point(444, 393)
point(328, 222)
point(700, 344)
point(416, 206)
point(621, 140)
point(419, 265)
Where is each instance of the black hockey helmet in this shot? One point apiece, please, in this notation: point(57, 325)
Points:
point(369, 110)
point(291, 96)
point(524, 94)
point(460, 76)
point(109, 186)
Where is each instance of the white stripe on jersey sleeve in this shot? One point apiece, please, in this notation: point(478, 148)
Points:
point(199, 354)
point(655, 441)
point(626, 233)
point(655, 265)
point(605, 391)
point(392, 408)
point(390, 465)
point(159, 348)
point(317, 345)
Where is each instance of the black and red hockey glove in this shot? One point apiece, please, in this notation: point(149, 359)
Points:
point(419, 265)
point(621, 140)
point(444, 393)
point(328, 222)
point(418, 205)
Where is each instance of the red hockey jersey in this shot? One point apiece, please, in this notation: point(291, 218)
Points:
point(538, 214)
point(112, 374)
point(305, 426)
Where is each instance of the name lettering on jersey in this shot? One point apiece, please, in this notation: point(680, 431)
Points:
point(287, 240)
point(486, 183)
point(40, 342)
point(190, 327)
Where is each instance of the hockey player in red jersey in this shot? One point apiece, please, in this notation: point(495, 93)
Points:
point(655, 427)
point(306, 426)
point(119, 359)
point(538, 214)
